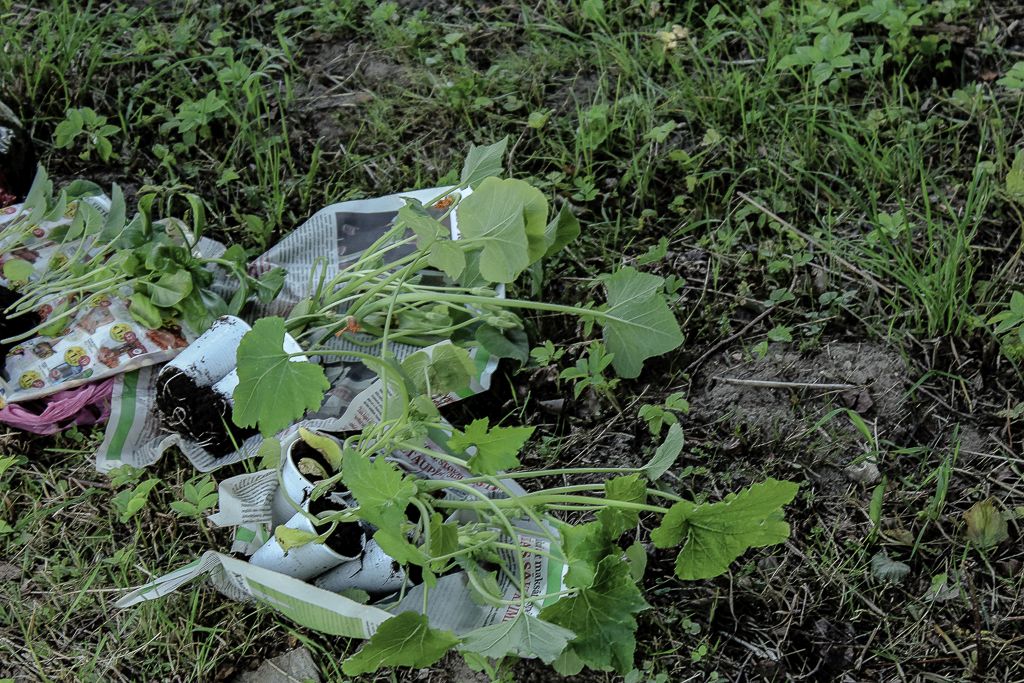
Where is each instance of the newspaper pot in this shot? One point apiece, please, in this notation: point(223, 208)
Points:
point(194, 390)
point(301, 467)
point(375, 572)
point(312, 559)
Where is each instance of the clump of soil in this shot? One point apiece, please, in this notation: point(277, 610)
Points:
point(784, 393)
point(199, 414)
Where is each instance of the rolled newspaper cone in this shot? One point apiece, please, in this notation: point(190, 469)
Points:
point(295, 486)
point(211, 356)
point(312, 559)
point(374, 572)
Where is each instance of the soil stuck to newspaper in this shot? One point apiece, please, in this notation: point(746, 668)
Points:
point(199, 414)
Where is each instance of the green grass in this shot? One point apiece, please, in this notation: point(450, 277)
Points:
point(869, 208)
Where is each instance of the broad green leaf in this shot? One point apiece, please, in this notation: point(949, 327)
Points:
point(986, 527)
point(562, 230)
point(497, 448)
point(18, 270)
point(602, 617)
point(525, 636)
point(666, 454)
point(639, 324)
point(405, 640)
point(273, 392)
point(143, 310)
point(444, 537)
point(325, 445)
point(483, 162)
point(636, 555)
point(504, 343)
point(535, 217)
point(289, 538)
point(631, 488)
point(381, 490)
point(492, 221)
point(398, 548)
point(427, 228)
point(170, 288)
point(584, 546)
point(715, 534)
point(448, 257)
point(446, 369)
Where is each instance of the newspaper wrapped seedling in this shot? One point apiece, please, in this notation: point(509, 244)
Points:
point(91, 294)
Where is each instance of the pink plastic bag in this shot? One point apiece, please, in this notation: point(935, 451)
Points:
point(84, 405)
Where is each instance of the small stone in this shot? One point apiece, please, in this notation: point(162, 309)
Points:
point(291, 667)
point(865, 472)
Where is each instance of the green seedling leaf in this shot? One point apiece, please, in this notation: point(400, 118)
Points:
point(505, 221)
point(584, 546)
point(986, 526)
point(130, 502)
point(170, 288)
point(636, 555)
point(666, 454)
point(289, 538)
point(483, 162)
point(715, 534)
point(398, 548)
point(405, 640)
point(639, 323)
point(602, 617)
point(415, 217)
point(269, 285)
point(525, 636)
point(886, 569)
point(448, 257)
point(142, 309)
point(631, 488)
point(444, 537)
point(497, 448)
point(381, 490)
point(273, 392)
point(512, 344)
point(325, 445)
point(270, 454)
point(446, 369)
point(18, 270)
point(6, 463)
point(561, 231)
point(1015, 178)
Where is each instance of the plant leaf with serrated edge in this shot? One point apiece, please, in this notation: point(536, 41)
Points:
point(715, 534)
point(525, 636)
point(602, 617)
point(444, 537)
point(641, 324)
point(273, 391)
point(584, 546)
point(323, 444)
point(270, 454)
point(497, 448)
point(381, 490)
point(405, 640)
point(483, 162)
point(562, 230)
point(289, 538)
point(631, 489)
point(666, 454)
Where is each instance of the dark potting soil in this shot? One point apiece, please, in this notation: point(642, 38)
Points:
point(347, 538)
point(199, 414)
